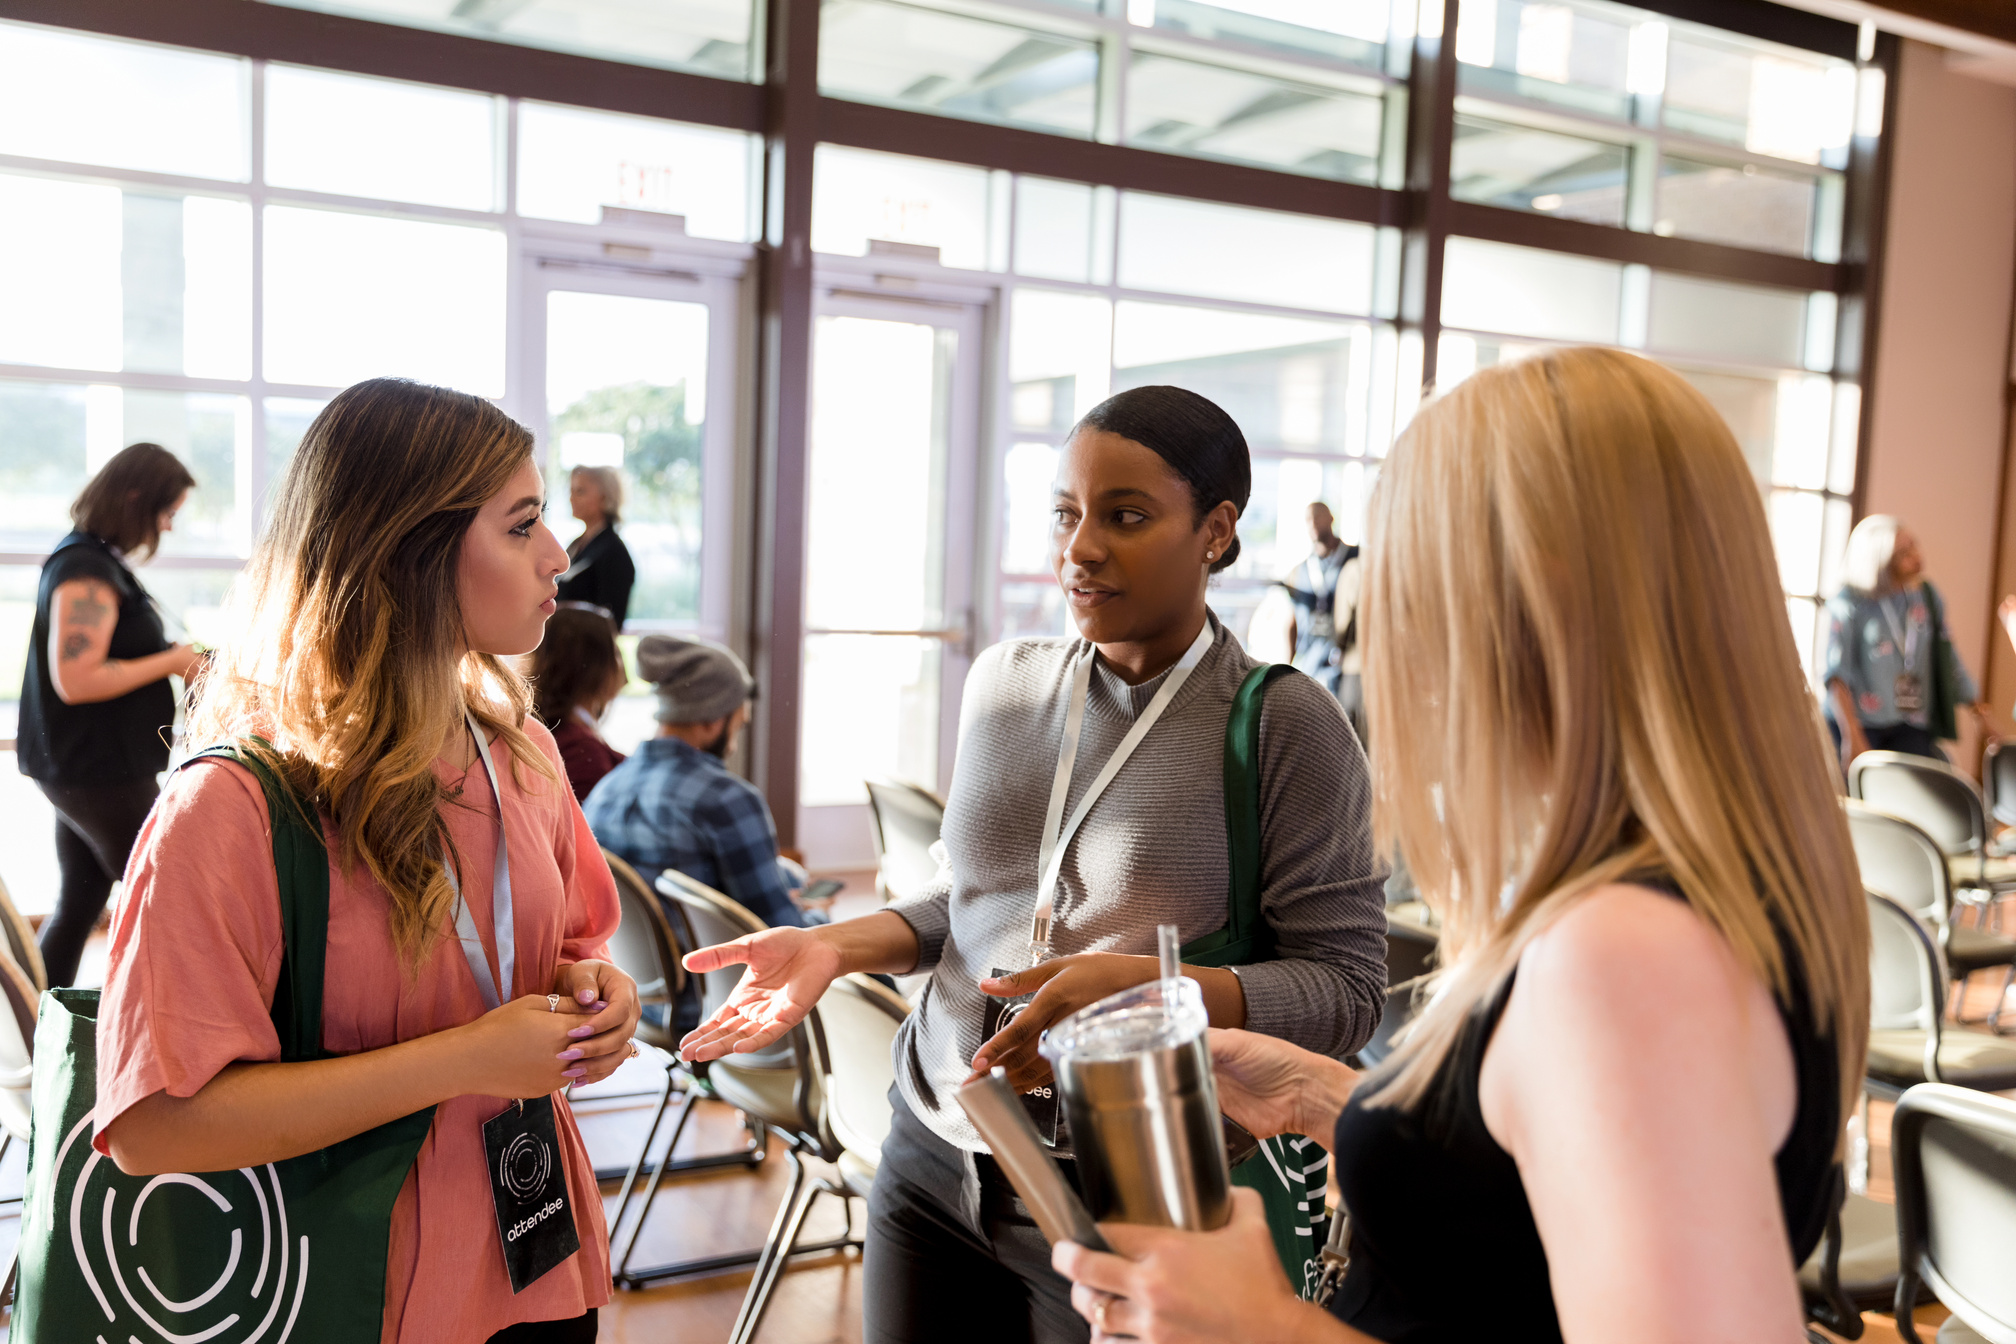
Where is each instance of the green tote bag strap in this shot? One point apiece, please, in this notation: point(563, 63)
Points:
point(288, 1252)
point(1246, 936)
point(301, 863)
point(1289, 1171)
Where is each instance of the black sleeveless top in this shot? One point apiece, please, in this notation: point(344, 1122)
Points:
point(1443, 1243)
point(107, 741)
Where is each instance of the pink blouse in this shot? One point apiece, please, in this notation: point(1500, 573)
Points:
point(195, 958)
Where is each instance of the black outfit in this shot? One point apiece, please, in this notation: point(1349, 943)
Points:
point(979, 1273)
point(579, 1330)
point(602, 573)
point(1421, 1276)
point(1908, 738)
point(97, 763)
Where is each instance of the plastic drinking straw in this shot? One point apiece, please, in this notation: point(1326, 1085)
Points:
point(1165, 943)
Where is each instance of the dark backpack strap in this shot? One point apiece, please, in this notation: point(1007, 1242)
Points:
point(301, 863)
point(1246, 936)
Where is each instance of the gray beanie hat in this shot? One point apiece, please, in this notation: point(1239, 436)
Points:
point(698, 681)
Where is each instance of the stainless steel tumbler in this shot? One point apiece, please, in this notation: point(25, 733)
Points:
point(1135, 1075)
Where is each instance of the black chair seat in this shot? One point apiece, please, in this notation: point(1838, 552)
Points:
point(1868, 1268)
point(1971, 949)
point(1966, 1059)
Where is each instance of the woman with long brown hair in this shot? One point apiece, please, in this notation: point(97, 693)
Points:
point(96, 703)
point(405, 563)
point(1619, 1114)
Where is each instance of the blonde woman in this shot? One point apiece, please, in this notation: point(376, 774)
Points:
point(600, 571)
point(1893, 679)
point(1618, 1116)
point(405, 562)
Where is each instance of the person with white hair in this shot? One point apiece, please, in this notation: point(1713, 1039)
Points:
point(1894, 681)
point(600, 571)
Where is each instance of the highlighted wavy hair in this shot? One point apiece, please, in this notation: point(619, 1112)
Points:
point(350, 659)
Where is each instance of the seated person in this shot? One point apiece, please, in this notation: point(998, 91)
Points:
point(674, 804)
point(576, 672)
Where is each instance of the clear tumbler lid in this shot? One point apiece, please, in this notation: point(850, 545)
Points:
point(1132, 1022)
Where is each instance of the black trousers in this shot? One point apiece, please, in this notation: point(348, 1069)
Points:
point(96, 825)
point(580, 1330)
point(952, 1252)
point(1907, 738)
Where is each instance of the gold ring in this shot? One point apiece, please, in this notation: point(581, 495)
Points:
point(552, 1003)
point(634, 1051)
point(1099, 1313)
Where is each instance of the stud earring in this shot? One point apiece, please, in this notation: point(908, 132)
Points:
point(1210, 555)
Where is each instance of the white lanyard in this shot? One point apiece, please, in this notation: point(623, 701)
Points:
point(1057, 833)
point(500, 898)
point(1906, 636)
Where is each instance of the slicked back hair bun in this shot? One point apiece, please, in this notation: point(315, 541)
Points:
point(1193, 435)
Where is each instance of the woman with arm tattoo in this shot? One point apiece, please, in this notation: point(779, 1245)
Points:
point(96, 704)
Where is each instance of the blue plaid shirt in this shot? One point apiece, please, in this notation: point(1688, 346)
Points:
point(673, 806)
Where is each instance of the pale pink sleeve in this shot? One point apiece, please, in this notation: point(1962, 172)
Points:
point(592, 908)
point(196, 945)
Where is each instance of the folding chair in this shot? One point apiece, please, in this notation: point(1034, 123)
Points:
point(777, 1087)
point(1905, 864)
point(1954, 1156)
point(907, 820)
point(1943, 803)
point(646, 946)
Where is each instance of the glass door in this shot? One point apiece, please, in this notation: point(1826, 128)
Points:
point(889, 556)
point(634, 369)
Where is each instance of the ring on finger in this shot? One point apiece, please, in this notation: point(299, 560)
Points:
point(552, 1003)
point(1099, 1313)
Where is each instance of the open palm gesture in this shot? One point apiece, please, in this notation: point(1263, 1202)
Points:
point(789, 969)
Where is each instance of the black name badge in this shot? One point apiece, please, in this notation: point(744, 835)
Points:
point(1039, 1102)
point(528, 1185)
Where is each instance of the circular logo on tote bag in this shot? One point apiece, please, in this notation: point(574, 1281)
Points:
point(192, 1259)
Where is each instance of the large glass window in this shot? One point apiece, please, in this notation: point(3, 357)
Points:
point(709, 37)
point(380, 138)
point(572, 163)
point(1623, 117)
point(964, 67)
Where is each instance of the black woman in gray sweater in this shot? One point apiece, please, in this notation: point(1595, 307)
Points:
point(1063, 859)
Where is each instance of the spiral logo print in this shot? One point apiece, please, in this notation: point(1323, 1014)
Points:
point(524, 1167)
point(177, 1258)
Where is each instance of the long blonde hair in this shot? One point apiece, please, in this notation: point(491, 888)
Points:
point(350, 658)
point(1579, 668)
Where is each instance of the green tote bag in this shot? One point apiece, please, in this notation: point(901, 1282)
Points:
point(1289, 1170)
point(288, 1252)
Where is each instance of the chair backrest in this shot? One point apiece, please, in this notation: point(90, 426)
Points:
point(1410, 953)
point(1901, 861)
point(1998, 778)
point(1929, 794)
point(20, 942)
point(645, 945)
point(858, 1021)
point(1954, 1154)
point(908, 820)
point(713, 918)
point(1907, 983)
point(17, 1046)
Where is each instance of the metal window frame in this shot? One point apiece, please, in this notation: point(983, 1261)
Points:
point(787, 110)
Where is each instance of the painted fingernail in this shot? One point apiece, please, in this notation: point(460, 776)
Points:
point(599, 1005)
point(579, 1032)
point(569, 1054)
point(575, 1073)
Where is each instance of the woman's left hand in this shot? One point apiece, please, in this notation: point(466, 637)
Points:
point(1062, 985)
point(1170, 1287)
point(609, 999)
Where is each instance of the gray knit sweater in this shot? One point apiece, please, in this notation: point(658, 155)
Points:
point(1151, 851)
